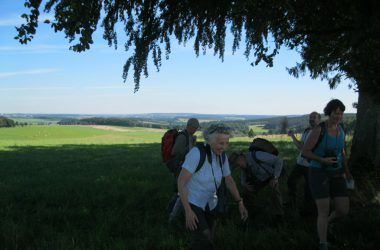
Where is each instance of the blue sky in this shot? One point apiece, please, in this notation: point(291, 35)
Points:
point(46, 77)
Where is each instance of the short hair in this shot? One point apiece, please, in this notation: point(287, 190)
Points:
point(332, 106)
point(215, 129)
point(315, 113)
point(193, 122)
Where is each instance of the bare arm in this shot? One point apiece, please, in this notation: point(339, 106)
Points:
point(296, 142)
point(231, 186)
point(191, 218)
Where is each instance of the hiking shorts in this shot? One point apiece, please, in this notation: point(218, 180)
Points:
point(324, 185)
point(202, 237)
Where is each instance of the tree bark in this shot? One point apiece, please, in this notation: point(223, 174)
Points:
point(365, 150)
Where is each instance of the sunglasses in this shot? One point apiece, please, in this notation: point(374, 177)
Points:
point(221, 129)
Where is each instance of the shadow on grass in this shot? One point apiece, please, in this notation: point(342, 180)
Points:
point(114, 197)
point(83, 196)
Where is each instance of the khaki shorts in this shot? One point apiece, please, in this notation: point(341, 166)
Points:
point(324, 185)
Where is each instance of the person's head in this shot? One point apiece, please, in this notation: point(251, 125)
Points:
point(218, 136)
point(314, 119)
point(192, 125)
point(237, 160)
point(334, 110)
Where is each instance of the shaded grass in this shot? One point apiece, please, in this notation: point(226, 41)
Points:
point(80, 197)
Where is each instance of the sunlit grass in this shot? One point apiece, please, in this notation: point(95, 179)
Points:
point(258, 129)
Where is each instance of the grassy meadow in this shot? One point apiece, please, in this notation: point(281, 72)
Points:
point(102, 187)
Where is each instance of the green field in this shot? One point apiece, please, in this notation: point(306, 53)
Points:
point(258, 129)
point(59, 135)
point(82, 187)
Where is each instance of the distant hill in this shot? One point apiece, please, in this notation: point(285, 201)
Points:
point(220, 117)
point(148, 116)
point(240, 123)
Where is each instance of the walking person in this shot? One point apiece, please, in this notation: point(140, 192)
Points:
point(301, 169)
point(198, 187)
point(328, 168)
point(183, 143)
point(260, 169)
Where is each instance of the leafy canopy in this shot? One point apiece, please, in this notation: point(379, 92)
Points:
point(336, 39)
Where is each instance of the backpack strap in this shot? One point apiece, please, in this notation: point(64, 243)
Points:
point(205, 151)
point(323, 126)
point(306, 130)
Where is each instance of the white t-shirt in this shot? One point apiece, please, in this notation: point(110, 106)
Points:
point(201, 186)
point(301, 160)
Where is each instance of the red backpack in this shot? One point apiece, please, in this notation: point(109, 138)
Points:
point(167, 143)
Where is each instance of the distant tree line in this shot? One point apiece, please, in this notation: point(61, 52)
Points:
point(239, 128)
point(280, 125)
point(276, 125)
point(6, 123)
point(124, 122)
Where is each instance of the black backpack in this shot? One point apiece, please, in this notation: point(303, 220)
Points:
point(261, 144)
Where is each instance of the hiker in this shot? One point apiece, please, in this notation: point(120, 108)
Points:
point(328, 168)
point(183, 144)
point(184, 141)
point(198, 188)
point(301, 169)
point(260, 169)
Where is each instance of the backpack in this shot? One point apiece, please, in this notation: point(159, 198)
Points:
point(167, 143)
point(261, 144)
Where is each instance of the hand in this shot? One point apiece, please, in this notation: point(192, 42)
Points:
point(243, 211)
point(347, 175)
point(329, 160)
point(191, 220)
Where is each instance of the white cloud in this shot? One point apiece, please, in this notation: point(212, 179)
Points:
point(28, 72)
point(11, 21)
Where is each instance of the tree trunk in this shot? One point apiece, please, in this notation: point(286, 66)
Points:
point(365, 150)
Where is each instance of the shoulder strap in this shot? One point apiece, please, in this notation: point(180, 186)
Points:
point(205, 150)
point(307, 129)
point(321, 135)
